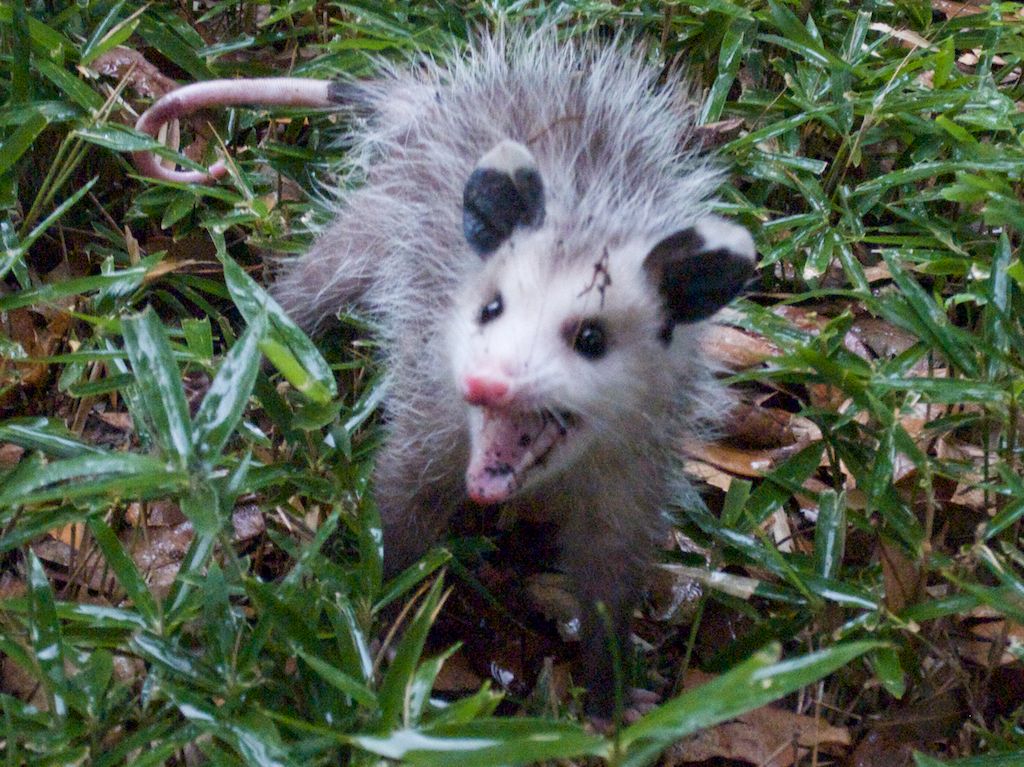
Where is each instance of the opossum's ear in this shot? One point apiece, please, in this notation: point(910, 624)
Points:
point(504, 191)
point(700, 269)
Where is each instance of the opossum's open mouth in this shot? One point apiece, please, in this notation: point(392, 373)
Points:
point(506, 445)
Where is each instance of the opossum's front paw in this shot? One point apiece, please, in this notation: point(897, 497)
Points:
point(641, 702)
point(638, 702)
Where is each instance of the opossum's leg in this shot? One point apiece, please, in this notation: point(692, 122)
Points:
point(415, 502)
point(413, 514)
point(603, 568)
point(333, 275)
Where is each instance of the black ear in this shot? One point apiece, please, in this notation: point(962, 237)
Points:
point(700, 269)
point(504, 191)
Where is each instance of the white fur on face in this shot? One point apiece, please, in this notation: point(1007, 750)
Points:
point(542, 302)
point(530, 345)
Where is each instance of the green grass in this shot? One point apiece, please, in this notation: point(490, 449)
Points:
point(880, 180)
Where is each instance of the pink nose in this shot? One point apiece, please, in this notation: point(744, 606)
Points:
point(481, 390)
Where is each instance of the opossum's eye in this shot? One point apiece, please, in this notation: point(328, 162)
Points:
point(590, 340)
point(504, 191)
point(492, 309)
point(700, 269)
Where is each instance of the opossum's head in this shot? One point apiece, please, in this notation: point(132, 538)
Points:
point(558, 344)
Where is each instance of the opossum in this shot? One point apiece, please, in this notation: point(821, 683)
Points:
point(532, 236)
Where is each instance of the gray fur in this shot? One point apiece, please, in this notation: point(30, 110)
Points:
point(611, 146)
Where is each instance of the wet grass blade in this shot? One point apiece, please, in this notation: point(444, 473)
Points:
point(288, 347)
point(47, 639)
point(47, 435)
point(755, 682)
point(159, 382)
point(224, 404)
point(486, 743)
point(395, 686)
point(90, 476)
point(124, 569)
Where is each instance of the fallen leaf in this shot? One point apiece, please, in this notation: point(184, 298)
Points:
point(759, 427)
point(953, 9)
point(736, 349)
point(986, 628)
point(10, 455)
point(889, 747)
point(895, 735)
point(718, 133)
point(145, 79)
point(457, 676)
point(767, 736)
point(702, 471)
point(122, 421)
point(901, 575)
point(736, 461)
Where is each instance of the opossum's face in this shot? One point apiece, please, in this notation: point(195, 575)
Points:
point(553, 353)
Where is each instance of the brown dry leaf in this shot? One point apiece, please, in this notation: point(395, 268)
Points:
point(901, 575)
point(457, 676)
point(143, 78)
point(987, 627)
point(10, 455)
point(167, 266)
point(753, 426)
point(877, 273)
point(39, 331)
point(826, 397)
point(158, 553)
point(193, 250)
point(11, 586)
point(718, 133)
point(767, 736)
point(967, 493)
point(736, 349)
point(154, 514)
point(19, 684)
point(734, 460)
point(122, 421)
point(889, 747)
point(953, 9)
point(759, 427)
point(883, 338)
point(708, 474)
point(900, 731)
point(157, 549)
point(971, 497)
point(971, 58)
point(73, 566)
point(806, 319)
point(70, 534)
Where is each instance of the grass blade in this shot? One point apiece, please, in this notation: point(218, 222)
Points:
point(159, 382)
point(753, 683)
point(224, 404)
